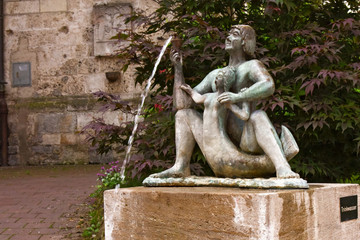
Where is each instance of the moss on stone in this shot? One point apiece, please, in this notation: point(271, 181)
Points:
point(57, 103)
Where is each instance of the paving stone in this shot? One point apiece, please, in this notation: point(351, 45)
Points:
point(5, 215)
point(51, 237)
point(27, 220)
point(8, 220)
point(13, 225)
point(36, 225)
point(28, 237)
point(15, 231)
point(44, 202)
point(44, 231)
point(5, 237)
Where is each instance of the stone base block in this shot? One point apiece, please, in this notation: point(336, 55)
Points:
point(232, 213)
point(193, 181)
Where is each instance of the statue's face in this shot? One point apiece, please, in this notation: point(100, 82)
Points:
point(219, 81)
point(234, 41)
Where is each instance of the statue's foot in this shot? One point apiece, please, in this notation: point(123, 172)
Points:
point(286, 172)
point(172, 172)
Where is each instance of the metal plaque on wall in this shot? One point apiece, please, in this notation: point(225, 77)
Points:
point(21, 73)
point(349, 208)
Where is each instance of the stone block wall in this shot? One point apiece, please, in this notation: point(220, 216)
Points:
point(57, 38)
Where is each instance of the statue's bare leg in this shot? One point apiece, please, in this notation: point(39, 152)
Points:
point(270, 143)
point(188, 131)
point(249, 142)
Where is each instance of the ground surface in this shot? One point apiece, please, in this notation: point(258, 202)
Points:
point(45, 202)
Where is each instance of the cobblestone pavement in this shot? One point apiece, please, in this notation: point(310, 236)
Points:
point(45, 202)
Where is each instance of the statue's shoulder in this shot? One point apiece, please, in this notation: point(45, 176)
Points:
point(214, 72)
point(246, 72)
point(212, 75)
point(253, 64)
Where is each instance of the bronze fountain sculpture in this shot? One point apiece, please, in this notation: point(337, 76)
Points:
point(238, 141)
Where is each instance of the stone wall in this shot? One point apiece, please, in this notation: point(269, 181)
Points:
point(49, 49)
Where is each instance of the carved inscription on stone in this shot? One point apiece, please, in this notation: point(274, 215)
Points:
point(109, 19)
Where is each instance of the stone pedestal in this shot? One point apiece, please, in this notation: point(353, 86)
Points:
point(232, 213)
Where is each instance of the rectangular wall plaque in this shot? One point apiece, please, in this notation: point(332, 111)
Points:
point(109, 20)
point(349, 208)
point(21, 73)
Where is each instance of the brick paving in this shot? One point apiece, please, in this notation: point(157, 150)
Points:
point(44, 203)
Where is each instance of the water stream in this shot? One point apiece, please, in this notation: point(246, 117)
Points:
point(141, 105)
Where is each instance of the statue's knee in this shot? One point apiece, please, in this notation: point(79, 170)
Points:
point(258, 115)
point(181, 114)
point(184, 114)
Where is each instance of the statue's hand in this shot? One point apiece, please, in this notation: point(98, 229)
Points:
point(186, 88)
point(228, 105)
point(176, 57)
point(227, 97)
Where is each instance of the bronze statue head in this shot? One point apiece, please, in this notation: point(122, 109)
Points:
point(247, 36)
point(225, 79)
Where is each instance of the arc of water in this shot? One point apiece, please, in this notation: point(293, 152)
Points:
point(141, 105)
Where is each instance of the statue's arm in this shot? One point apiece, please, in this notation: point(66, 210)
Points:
point(242, 113)
point(262, 85)
point(205, 85)
point(180, 99)
point(197, 97)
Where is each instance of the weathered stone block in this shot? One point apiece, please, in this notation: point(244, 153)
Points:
point(51, 139)
point(12, 150)
point(42, 149)
point(73, 86)
point(73, 154)
point(52, 5)
point(31, 126)
point(13, 160)
point(69, 139)
point(48, 123)
point(56, 123)
point(83, 119)
point(81, 104)
point(88, 66)
point(13, 139)
point(68, 123)
point(94, 83)
point(109, 117)
point(112, 117)
point(21, 7)
point(229, 213)
point(44, 154)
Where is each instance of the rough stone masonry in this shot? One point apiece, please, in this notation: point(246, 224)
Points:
point(56, 55)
